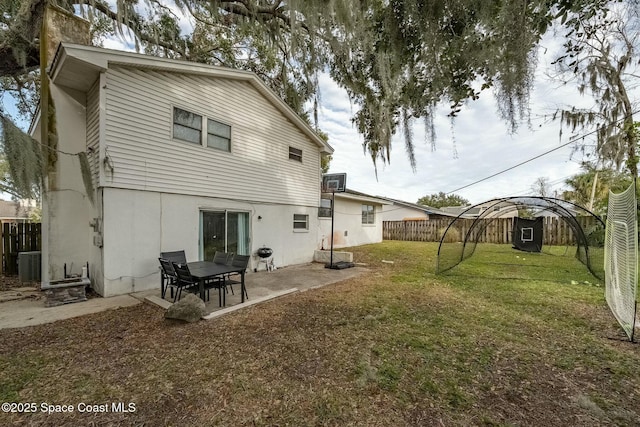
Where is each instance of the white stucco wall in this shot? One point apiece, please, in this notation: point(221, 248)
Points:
point(138, 225)
point(348, 229)
point(67, 210)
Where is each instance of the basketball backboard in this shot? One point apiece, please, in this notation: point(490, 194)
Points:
point(334, 182)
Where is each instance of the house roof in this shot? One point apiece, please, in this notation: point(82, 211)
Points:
point(361, 197)
point(422, 208)
point(541, 206)
point(12, 210)
point(78, 66)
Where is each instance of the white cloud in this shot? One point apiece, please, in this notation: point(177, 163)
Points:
point(482, 141)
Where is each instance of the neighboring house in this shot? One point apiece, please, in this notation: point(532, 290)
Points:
point(497, 210)
point(399, 210)
point(507, 209)
point(182, 156)
point(14, 212)
point(357, 219)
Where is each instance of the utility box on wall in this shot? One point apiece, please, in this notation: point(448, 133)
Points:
point(29, 267)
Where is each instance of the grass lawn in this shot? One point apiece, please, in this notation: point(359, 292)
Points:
point(506, 338)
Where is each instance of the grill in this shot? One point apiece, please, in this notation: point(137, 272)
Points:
point(264, 252)
point(265, 256)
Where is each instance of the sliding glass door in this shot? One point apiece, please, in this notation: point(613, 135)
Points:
point(224, 231)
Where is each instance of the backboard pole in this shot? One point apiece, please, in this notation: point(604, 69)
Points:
point(333, 199)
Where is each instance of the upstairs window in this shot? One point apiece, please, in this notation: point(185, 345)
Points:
point(218, 135)
point(368, 214)
point(295, 154)
point(187, 126)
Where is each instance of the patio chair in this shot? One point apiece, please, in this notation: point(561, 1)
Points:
point(184, 280)
point(222, 257)
point(225, 259)
point(219, 284)
point(232, 279)
point(168, 278)
point(174, 256)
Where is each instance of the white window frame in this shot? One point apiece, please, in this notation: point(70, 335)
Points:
point(206, 137)
point(368, 214)
point(204, 129)
point(294, 155)
point(304, 221)
point(174, 123)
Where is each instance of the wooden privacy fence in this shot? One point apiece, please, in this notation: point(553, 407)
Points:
point(16, 238)
point(556, 231)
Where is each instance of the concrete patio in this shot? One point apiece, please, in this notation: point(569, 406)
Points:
point(265, 285)
point(25, 306)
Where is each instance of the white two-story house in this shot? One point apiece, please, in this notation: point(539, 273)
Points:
point(183, 156)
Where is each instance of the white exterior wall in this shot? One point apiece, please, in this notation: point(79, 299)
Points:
point(138, 225)
point(150, 188)
point(399, 213)
point(153, 196)
point(67, 210)
point(144, 155)
point(348, 229)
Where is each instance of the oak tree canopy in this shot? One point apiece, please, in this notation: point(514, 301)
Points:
point(396, 59)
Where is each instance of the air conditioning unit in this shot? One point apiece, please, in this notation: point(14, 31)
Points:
point(29, 266)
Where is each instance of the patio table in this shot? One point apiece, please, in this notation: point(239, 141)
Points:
point(207, 270)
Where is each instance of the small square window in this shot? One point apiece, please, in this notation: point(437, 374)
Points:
point(295, 154)
point(300, 222)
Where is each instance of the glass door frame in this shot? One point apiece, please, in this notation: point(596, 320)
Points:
point(226, 228)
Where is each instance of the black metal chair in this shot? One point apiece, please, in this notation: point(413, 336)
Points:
point(222, 257)
point(174, 256)
point(232, 279)
point(184, 279)
point(219, 284)
point(168, 277)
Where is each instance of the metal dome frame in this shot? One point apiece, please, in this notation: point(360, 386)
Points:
point(567, 211)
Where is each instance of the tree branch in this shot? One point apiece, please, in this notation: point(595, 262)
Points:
point(135, 26)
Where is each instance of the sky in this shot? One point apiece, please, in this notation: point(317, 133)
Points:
point(481, 139)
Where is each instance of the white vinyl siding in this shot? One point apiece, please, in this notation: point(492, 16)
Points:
point(139, 137)
point(93, 132)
